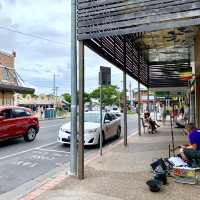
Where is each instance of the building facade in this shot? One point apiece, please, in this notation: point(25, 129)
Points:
point(7, 77)
point(9, 83)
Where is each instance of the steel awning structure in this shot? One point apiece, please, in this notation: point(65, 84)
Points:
point(132, 33)
point(150, 40)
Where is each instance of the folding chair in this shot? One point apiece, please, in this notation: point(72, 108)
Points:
point(144, 125)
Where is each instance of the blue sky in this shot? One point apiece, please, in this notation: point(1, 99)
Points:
point(37, 59)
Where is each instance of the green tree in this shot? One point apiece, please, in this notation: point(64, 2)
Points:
point(110, 95)
point(87, 97)
point(67, 97)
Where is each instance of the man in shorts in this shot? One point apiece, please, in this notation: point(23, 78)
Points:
point(191, 152)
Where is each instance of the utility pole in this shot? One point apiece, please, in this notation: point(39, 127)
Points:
point(54, 89)
point(56, 94)
point(73, 138)
point(54, 84)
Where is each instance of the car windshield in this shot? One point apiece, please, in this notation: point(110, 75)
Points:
point(115, 109)
point(92, 117)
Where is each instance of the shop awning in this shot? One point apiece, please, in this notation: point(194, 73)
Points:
point(150, 40)
point(18, 89)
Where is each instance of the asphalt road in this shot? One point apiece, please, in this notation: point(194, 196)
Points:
point(22, 162)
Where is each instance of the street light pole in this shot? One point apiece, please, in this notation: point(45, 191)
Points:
point(73, 139)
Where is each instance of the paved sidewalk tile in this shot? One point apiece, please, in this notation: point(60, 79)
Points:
point(122, 172)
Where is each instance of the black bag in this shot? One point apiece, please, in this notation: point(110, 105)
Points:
point(193, 157)
point(159, 164)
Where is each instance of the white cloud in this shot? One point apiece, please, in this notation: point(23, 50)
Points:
point(37, 60)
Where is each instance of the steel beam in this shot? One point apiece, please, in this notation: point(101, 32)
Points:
point(125, 109)
point(139, 108)
point(124, 91)
point(148, 101)
point(73, 142)
point(81, 113)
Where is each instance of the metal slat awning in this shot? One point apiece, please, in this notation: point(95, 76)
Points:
point(131, 34)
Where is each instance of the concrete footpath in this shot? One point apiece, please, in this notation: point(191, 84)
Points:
point(121, 174)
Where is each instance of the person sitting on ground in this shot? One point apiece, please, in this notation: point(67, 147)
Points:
point(151, 122)
point(182, 111)
point(191, 152)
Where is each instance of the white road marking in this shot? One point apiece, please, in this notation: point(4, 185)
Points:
point(22, 152)
point(26, 163)
point(33, 165)
point(36, 148)
point(19, 162)
point(51, 150)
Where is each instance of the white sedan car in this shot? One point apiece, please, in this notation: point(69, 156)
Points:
point(111, 127)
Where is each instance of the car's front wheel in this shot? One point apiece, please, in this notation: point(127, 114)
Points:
point(31, 134)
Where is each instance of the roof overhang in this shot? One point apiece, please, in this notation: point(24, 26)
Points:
point(149, 40)
point(18, 89)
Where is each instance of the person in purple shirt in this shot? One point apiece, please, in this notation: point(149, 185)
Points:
point(194, 138)
point(191, 151)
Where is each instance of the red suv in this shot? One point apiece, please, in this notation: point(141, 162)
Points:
point(18, 122)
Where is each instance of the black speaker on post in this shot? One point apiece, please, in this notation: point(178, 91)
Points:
point(105, 76)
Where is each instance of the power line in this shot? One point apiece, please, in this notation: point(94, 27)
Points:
point(31, 35)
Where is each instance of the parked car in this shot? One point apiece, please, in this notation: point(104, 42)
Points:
point(18, 122)
point(116, 111)
point(111, 128)
point(118, 115)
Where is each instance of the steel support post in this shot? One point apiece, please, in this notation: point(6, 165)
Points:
point(101, 113)
point(154, 108)
point(125, 108)
point(148, 101)
point(124, 94)
point(197, 93)
point(73, 141)
point(139, 99)
point(81, 113)
point(139, 109)
point(148, 108)
point(195, 99)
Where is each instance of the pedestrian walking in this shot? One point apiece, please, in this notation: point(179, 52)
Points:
point(163, 113)
point(187, 113)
